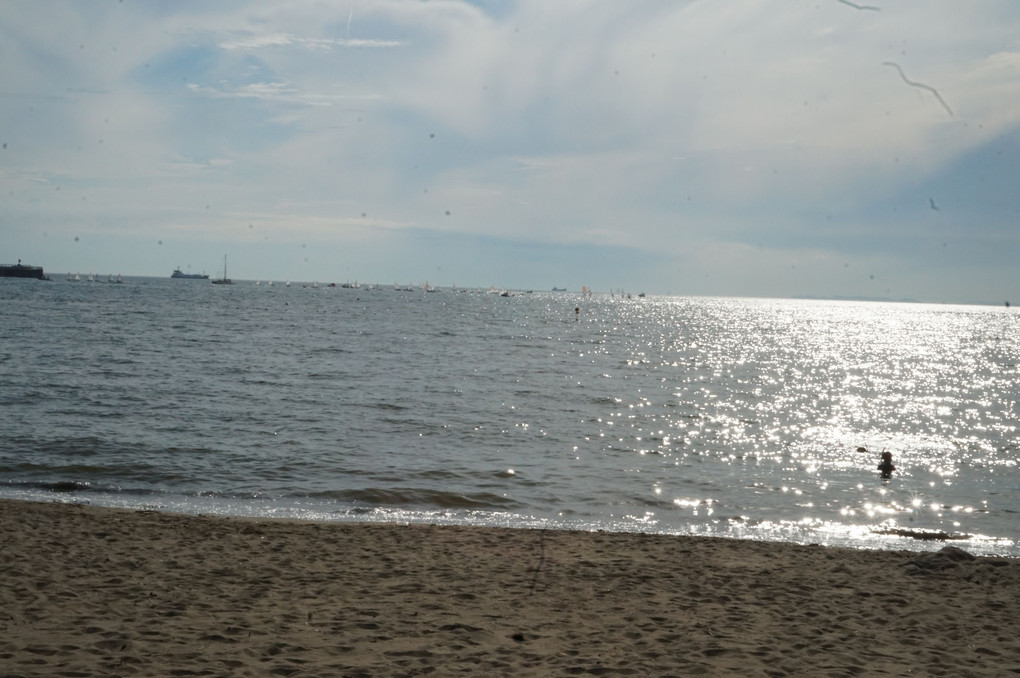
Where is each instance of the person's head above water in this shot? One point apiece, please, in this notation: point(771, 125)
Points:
point(886, 467)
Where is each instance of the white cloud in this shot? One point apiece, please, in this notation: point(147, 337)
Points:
point(254, 42)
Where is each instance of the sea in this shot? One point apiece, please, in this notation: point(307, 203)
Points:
point(742, 418)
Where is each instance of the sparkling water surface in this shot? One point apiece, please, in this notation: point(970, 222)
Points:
point(716, 416)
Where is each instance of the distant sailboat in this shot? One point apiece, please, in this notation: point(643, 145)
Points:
point(224, 280)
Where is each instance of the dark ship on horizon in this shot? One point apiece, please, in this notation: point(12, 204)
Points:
point(188, 276)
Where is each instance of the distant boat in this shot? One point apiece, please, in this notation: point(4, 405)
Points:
point(224, 280)
point(559, 289)
point(119, 280)
point(188, 276)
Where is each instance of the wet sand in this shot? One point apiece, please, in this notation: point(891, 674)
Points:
point(102, 592)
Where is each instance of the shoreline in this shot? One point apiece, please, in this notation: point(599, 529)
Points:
point(104, 591)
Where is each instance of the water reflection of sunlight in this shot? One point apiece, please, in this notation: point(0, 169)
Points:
point(781, 411)
point(694, 505)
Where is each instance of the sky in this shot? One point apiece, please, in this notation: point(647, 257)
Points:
point(821, 148)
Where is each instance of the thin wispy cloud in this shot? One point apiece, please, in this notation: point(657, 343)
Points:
point(277, 92)
point(256, 42)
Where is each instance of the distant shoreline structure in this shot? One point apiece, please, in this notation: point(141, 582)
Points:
point(20, 270)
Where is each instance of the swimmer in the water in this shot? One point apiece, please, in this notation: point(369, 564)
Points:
point(886, 467)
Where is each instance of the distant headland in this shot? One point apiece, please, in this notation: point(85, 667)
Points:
point(20, 270)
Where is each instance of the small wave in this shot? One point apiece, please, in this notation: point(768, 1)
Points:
point(424, 498)
point(60, 486)
point(435, 474)
point(64, 486)
point(328, 350)
point(386, 406)
point(924, 535)
point(326, 376)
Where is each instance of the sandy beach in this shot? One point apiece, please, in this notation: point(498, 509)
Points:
point(102, 592)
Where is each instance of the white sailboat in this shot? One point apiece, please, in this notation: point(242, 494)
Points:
point(224, 280)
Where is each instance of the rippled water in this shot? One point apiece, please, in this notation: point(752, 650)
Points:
point(733, 417)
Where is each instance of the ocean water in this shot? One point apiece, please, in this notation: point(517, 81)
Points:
point(712, 416)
